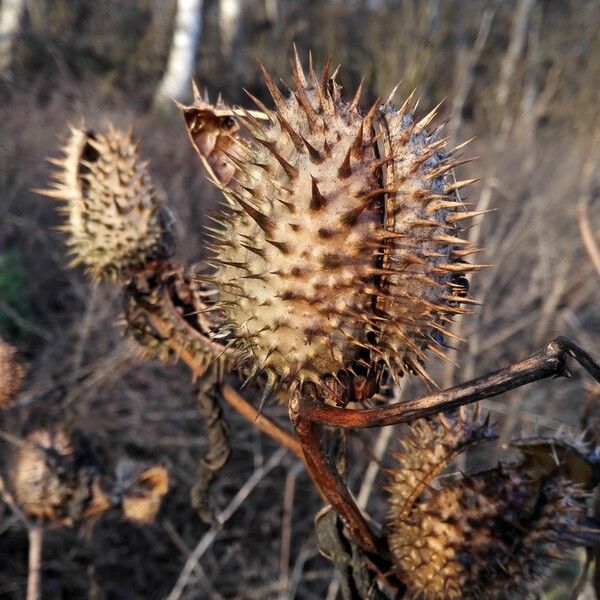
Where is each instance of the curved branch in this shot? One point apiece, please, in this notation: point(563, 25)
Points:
point(548, 362)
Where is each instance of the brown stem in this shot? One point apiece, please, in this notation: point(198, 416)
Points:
point(326, 477)
point(548, 362)
point(36, 538)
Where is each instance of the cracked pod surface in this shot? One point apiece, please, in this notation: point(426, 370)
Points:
point(116, 221)
point(335, 253)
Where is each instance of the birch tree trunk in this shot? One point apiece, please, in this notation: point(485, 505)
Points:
point(175, 84)
point(229, 20)
point(11, 12)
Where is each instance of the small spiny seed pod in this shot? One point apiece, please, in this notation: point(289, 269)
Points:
point(11, 374)
point(116, 221)
point(55, 479)
point(337, 253)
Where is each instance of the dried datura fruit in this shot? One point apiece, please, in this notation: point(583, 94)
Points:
point(116, 221)
point(337, 253)
point(488, 535)
point(55, 478)
point(11, 374)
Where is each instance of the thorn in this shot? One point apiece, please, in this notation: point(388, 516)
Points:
point(273, 89)
point(461, 300)
point(429, 116)
point(259, 104)
point(356, 99)
point(59, 194)
point(368, 118)
point(405, 104)
point(197, 97)
point(325, 76)
point(264, 222)
point(457, 185)
point(462, 216)
point(291, 171)
point(444, 168)
point(281, 246)
point(346, 170)
point(391, 95)
point(315, 155)
point(318, 201)
point(297, 70)
point(296, 138)
point(450, 239)
point(461, 267)
point(460, 146)
point(258, 251)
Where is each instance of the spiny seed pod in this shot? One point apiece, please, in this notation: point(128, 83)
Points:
point(337, 249)
point(11, 374)
point(116, 221)
point(55, 478)
point(429, 448)
point(484, 536)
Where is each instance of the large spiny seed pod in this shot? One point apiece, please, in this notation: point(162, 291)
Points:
point(116, 221)
point(337, 250)
point(11, 374)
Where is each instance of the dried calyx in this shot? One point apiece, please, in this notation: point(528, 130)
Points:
point(165, 311)
point(491, 534)
point(116, 221)
point(336, 253)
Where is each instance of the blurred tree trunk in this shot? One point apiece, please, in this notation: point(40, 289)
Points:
point(11, 12)
point(175, 83)
point(229, 21)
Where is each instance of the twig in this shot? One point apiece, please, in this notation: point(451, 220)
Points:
point(587, 175)
point(289, 490)
point(383, 440)
point(233, 398)
point(266, 425)
point(8, 499)
point(325, 475)
point(208, 538)
point(36, 538)
point(588, 237)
